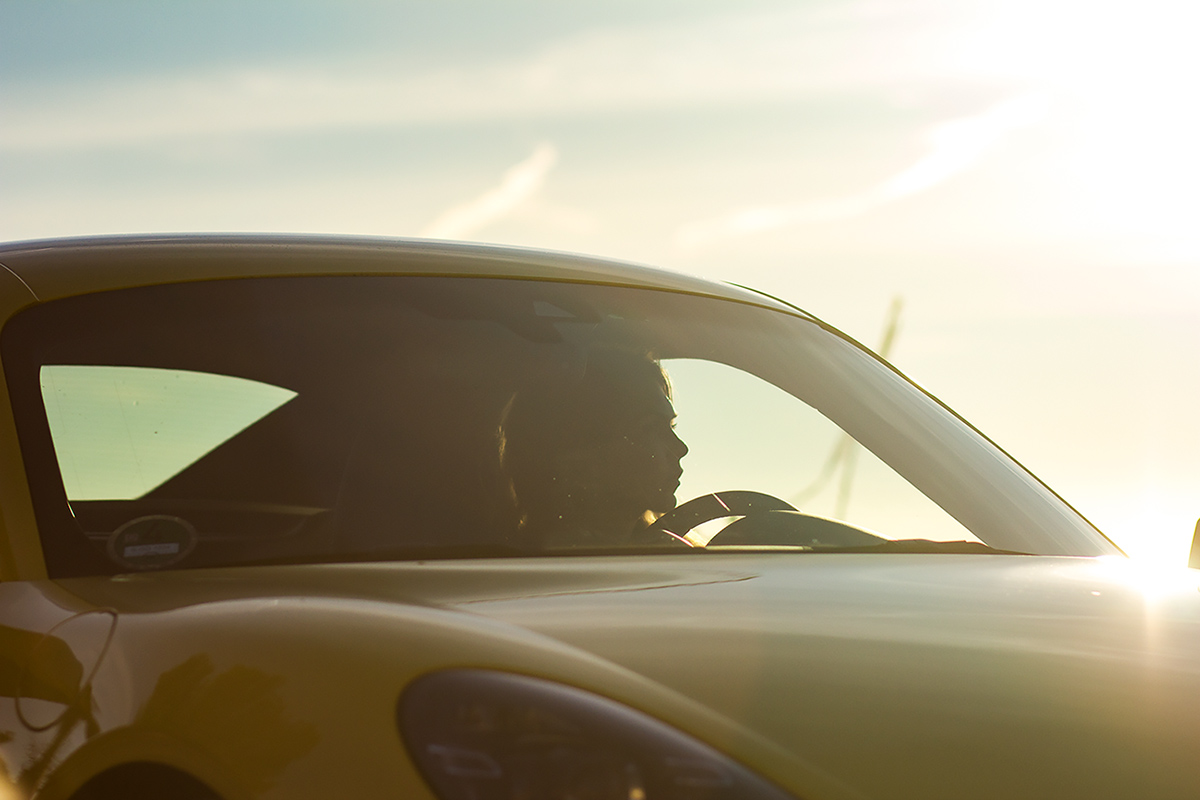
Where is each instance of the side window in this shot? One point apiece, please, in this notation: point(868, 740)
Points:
point(119, 432)
point(744, 433)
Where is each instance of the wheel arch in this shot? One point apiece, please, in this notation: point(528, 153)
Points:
point(148, 779)
point(128, 764)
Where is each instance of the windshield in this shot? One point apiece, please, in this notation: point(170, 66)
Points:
point(350, 418)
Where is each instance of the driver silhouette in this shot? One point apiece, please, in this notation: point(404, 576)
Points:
point(592, 458)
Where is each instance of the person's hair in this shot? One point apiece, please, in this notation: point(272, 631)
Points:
point(570, 411)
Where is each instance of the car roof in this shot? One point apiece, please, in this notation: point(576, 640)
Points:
point(55, 268)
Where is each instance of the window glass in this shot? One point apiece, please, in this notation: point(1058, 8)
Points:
point(121, 431)
point(350, 418)
point(743, 432)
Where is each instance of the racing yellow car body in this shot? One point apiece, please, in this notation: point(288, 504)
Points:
point(1008, 667)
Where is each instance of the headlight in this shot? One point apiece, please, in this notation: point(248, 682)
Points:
point(481, 735)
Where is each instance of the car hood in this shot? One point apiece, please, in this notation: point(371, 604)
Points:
point(900, 675)
point(921, 676)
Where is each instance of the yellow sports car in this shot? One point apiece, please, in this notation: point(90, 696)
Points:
point(296, 517)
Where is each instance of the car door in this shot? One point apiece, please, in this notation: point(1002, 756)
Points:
point(51, 642)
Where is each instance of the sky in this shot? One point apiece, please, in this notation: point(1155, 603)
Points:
point(1022, 175)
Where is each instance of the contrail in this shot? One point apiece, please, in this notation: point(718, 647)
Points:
point(520, 182)
point(957, 145)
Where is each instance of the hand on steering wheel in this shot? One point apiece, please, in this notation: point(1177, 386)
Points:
point(765, 520)
point(683, 518)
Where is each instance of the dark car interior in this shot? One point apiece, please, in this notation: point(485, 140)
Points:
point(371, 418)
point(390, 444)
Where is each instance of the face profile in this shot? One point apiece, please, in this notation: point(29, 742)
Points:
point(593, 457)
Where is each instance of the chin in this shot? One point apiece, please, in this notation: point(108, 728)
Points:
point(662, 505)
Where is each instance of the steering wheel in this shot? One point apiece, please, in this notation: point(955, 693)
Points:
point(794, 529)
point(765, 520)
point(681, 519)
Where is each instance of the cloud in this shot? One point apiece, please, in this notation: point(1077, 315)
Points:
point(733, 57)
point(955, 146)
point(521, 181)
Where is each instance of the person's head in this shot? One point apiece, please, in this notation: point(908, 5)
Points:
point(597, 449)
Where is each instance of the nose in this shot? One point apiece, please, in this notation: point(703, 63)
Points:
point(678, 445)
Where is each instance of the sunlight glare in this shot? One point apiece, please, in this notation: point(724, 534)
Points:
point(1153, 581)
point(1123, 77)
point(1154, 528)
